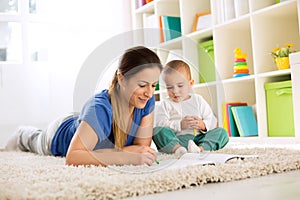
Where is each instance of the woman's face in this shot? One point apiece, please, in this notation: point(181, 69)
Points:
point(140, 87)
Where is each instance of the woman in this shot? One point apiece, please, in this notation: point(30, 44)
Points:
point(114, 127)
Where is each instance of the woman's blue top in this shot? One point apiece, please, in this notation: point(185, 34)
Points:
point(97, 112)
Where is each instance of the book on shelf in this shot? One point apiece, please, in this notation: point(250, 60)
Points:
point(202, 20)
point(139, 3)
point(162, 39)
point(245, 120)
point(151, 30)
point(228, 120)
point(220, 11)
point(171, 26)
point(229, 12)
point(241, 7)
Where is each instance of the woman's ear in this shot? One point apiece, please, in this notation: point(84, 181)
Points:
point(120, 78)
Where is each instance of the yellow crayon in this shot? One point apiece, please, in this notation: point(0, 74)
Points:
point(195, 132)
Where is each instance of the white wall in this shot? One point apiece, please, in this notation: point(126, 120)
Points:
point(35, 94)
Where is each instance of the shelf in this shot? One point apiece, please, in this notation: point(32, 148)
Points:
point(239, 79)
point(198, 36)
point(277, 19)
point(172, 44)
point(196, 86)
point(275, 73)
point(235, 22)
point(240, 23)
point(147, 8)
point(277, 9)
point(256, 32)
point(210, 84)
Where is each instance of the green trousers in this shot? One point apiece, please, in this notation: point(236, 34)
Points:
point(165, 139)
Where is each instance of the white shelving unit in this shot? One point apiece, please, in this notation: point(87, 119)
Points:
point(267, 24)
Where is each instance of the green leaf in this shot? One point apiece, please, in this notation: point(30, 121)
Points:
point(283, 52)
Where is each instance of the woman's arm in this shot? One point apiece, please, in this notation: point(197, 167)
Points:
point(144, 133)
point(81, 152)
point(143, 138)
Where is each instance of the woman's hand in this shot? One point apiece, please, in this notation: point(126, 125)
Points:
point(140, 154)
point(140, 158)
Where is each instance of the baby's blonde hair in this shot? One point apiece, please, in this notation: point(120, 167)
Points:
point(178, 65)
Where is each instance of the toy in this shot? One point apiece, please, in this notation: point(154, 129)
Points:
point(240, 67)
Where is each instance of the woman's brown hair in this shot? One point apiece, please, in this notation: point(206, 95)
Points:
point(133, 61)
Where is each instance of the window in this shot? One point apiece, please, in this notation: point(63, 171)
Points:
point(41, 30)
point(10, 31)
point(18, 27)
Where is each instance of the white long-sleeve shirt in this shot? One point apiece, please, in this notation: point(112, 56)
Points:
point(169, 113)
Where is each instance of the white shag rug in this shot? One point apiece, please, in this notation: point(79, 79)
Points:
point(29, 176)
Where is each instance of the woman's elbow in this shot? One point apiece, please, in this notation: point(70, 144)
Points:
point(73, 159)
point(76, 158)
point(70, 160)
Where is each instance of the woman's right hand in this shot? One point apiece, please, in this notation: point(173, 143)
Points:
point(142, 159)
point(140, 155)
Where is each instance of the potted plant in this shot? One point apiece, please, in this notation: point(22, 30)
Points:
point(281, 56)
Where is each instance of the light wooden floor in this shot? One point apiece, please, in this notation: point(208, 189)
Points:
point(283, 186)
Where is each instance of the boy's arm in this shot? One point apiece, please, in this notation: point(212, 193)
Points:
point(162, 117)
point(208, 116)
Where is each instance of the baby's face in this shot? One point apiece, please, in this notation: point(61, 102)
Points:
point(178, 86)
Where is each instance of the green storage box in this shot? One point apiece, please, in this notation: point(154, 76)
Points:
point(207, 61)
point(280, 109)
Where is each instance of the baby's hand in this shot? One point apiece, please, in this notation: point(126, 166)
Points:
point(193, 122)
point(187, 122)
point(197, 123)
